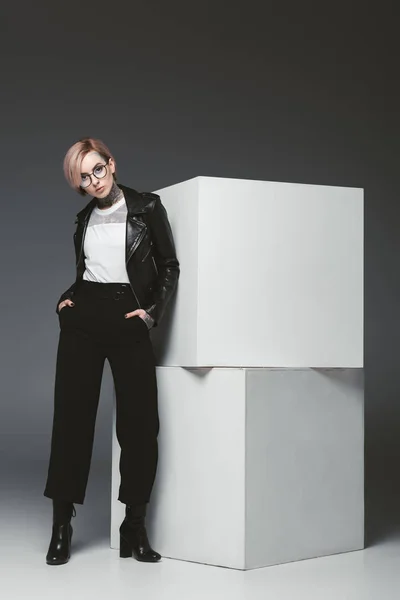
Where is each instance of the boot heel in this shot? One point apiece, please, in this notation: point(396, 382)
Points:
point(125, 549)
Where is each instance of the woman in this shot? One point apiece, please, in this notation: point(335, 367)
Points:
point(126, 272)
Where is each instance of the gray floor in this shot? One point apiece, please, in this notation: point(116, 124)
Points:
point(96, 571)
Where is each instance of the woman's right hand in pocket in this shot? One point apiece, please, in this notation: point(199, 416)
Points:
point(65, 303)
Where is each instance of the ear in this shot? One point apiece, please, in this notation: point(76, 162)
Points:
point(112, 165)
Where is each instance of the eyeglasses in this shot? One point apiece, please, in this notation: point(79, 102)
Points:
point(99, 172)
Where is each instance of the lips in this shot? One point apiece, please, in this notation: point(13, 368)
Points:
point(100, 189)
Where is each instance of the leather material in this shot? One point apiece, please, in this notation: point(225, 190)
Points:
point(150, 257)
point(59, 551)
point(135, 510)
point(63, 511)
point(133, 536)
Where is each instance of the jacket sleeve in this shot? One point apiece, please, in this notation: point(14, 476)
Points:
point(165, 258)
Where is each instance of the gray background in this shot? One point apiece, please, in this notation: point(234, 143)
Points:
point(297, 92)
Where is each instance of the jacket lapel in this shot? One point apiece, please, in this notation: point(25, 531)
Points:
point(135, 227)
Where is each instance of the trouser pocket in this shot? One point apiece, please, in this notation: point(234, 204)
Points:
point(63, 316)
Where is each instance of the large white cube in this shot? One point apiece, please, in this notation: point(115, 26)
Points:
point(257, 466)
point(271, 275)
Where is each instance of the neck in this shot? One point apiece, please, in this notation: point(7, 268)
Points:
point(113, 197)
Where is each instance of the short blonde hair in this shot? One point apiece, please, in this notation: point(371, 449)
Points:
point(75, 155)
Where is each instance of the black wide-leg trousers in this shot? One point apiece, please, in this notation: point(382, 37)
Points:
point(91, 331)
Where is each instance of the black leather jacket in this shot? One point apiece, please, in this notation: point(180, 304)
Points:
point(150, 258)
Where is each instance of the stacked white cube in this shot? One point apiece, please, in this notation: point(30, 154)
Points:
point(260, 381)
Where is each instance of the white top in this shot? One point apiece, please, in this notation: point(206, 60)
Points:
point(104, 244)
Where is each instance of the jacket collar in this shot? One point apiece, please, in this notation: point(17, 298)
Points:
point(135, 203)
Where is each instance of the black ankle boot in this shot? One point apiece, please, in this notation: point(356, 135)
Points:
point(133, 536)
point(59, 551)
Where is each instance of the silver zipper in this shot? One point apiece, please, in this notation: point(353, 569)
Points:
point(148, 252)
point(138, 241)
point(154, 264)
point(137, 300)
point(126, 265)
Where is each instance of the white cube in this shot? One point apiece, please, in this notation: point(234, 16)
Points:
point(271, 275)
point(256, 466)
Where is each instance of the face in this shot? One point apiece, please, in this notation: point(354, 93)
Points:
point(92, 164)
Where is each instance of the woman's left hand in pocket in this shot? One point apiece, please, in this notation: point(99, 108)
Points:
point(140, 312)
point(136, 313)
